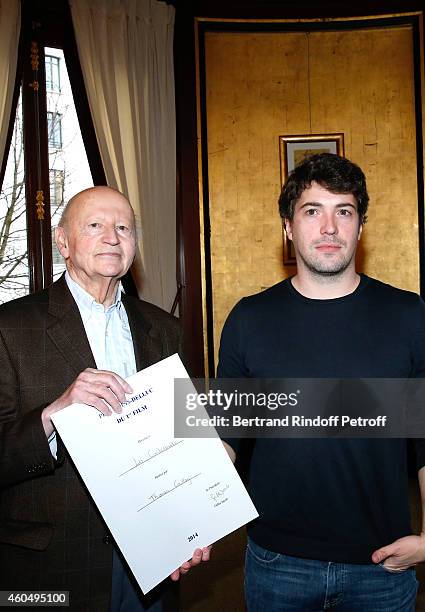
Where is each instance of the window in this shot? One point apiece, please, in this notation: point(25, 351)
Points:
point(45, 161)
point(14, 268)
point(56, 207)
point(52, 73)
point(56, 189)
point(54, 130)
point(68, 166)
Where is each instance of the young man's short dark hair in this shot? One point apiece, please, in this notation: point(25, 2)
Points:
point(333, 172)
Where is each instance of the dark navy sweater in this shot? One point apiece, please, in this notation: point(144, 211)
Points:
point(328, 499)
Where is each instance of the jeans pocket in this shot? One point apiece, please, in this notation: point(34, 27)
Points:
point(394, 571)
point(260, 554)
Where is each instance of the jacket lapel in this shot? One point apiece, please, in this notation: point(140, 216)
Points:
point(146, 338)
point(65, 328)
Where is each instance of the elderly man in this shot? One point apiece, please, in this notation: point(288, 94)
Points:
point(74, 342)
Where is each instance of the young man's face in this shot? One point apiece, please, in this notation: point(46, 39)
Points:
point(325, 230)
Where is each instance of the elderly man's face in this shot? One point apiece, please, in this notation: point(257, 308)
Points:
point(98, 241)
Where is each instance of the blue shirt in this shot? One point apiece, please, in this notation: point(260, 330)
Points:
point(108, 332)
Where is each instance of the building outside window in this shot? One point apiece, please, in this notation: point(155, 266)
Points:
point(54, 130)
point(68, 166)
point(56, 189)
point(52, 73)
point(69, 173)
point(56, 205)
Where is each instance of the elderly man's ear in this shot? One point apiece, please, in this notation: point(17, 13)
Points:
point(61, 240)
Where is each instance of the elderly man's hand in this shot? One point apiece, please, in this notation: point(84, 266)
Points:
point(99, 388)
point(200, 554)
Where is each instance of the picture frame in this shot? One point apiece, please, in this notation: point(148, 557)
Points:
point(293, 150)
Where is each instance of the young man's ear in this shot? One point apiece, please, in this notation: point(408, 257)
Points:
point(61, 240)
point(288, 227)
point(360, 231)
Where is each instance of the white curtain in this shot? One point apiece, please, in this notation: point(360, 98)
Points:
point(10, 24)
point(126, 55)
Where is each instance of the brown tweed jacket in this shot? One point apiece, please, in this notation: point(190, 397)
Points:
point(51, 536)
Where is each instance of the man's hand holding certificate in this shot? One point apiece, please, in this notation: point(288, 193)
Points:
point(161, 497)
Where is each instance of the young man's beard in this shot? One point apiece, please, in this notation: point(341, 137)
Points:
point(333, 267)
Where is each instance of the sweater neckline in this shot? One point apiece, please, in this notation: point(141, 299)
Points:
point(364, 281)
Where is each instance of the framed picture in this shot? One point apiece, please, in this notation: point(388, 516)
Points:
point(293, 150)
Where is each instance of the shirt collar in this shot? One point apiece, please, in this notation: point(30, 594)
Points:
point(86, 302)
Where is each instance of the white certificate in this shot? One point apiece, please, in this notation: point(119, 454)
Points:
point(160, 496)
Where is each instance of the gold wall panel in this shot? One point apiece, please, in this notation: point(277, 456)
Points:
point(262, 85)
point(370, 95)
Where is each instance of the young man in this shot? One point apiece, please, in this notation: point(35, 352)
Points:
point(334, 529)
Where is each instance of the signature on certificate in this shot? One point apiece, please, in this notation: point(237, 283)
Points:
point(217, 492)
point(177, 483)
point(153, 452)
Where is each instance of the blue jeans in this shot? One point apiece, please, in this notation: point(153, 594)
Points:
point(280, 583)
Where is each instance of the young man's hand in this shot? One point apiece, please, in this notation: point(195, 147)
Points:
point(200, 554)
point(401, 554)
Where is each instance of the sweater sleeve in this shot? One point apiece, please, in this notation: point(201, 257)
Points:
point(231, 360)
point(418, 360)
